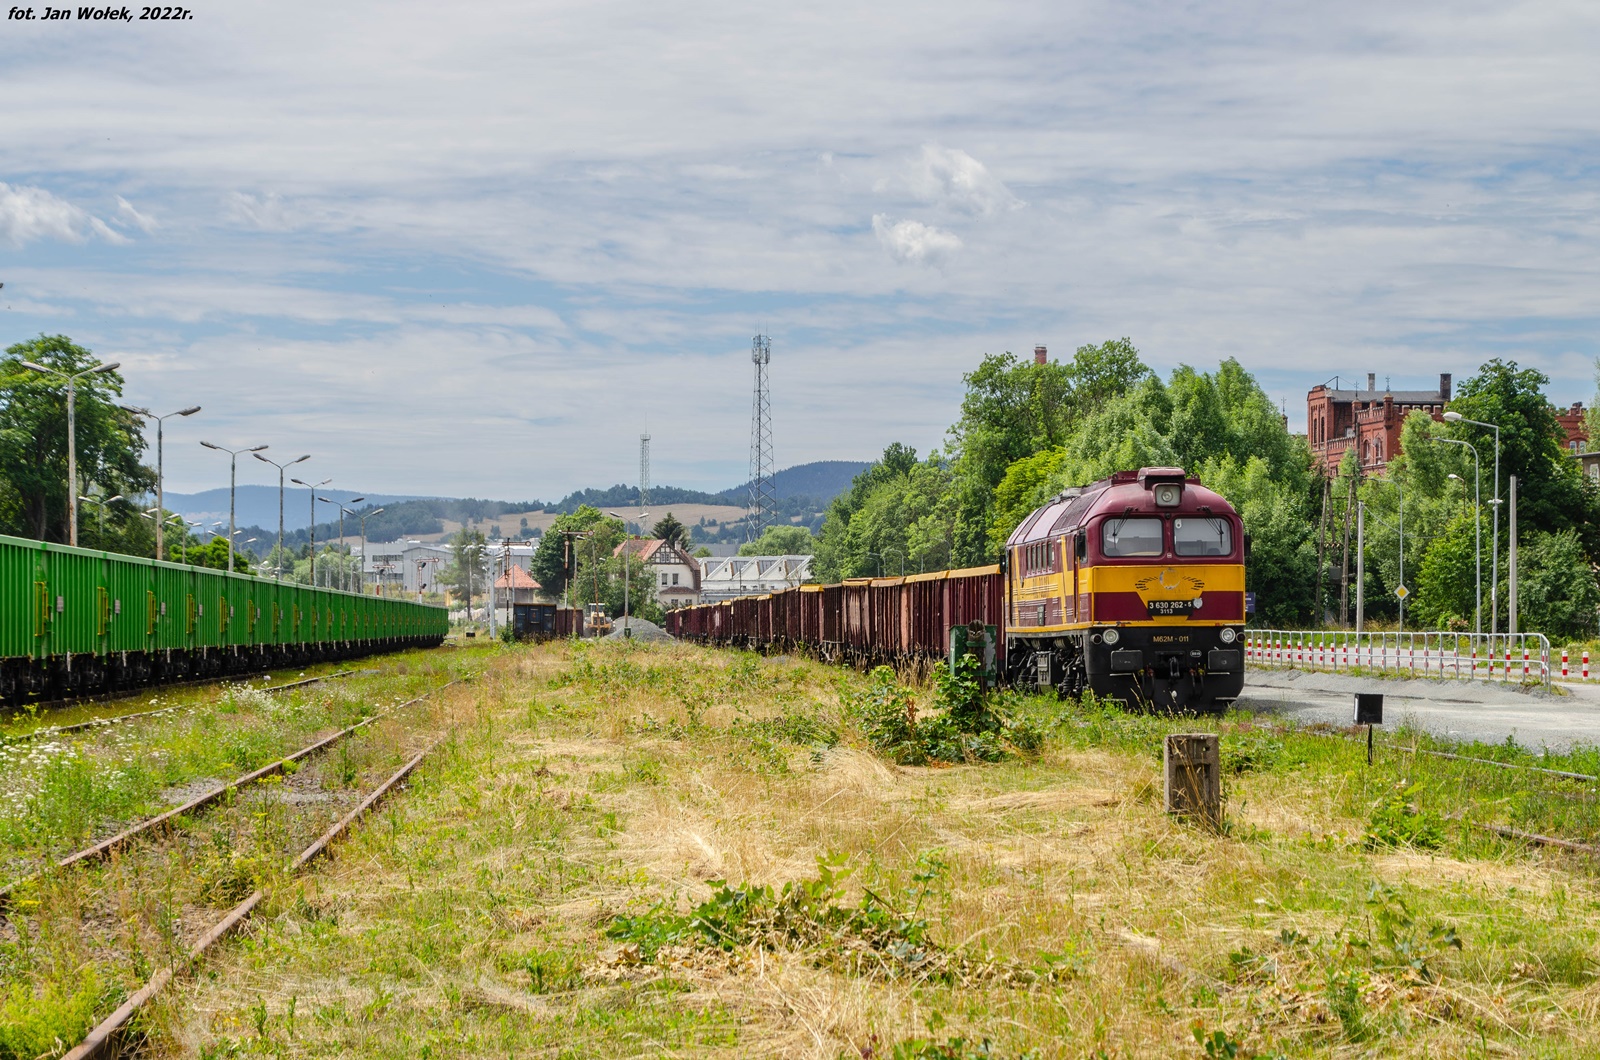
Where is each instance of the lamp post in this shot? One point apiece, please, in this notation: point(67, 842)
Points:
point(104, 503)
point(233, 478)
point(902, 556)
point(72, 435)
point(162, 520)
point(344, 575)
point(1400, 506)
point(627, 630)
point(280, 467)
point(313, 530)
point(1477, 529)
point(1494, 543)
point(364, 517)
point(161, 499)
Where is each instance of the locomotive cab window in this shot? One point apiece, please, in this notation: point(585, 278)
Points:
point(1197, 536)
point(1128, 537)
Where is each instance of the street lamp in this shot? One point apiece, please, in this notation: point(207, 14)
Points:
point(104, 503)
point(72, 435)
point(364, 517)
point(313, 530)
point(161, 499)
point(233, 478)
point(1494, 562)
point(1477, 529)
point(280, 467)
point(161, 520)
point(627, 630)
point(344, 575)
point(1400, 506)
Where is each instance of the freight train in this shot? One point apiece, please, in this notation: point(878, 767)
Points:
point(1131, 587)
point(78, 622)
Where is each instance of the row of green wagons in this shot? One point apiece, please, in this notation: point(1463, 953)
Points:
point(74, 621)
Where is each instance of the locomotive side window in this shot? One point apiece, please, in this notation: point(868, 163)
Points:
point(1128, 537)
point(1194, 536)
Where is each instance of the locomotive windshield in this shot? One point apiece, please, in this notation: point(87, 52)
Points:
point(1194, 536)
point(1130, 537)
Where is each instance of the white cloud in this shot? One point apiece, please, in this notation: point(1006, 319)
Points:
point(143, 222)
point(266, 212)
point(28, 214)
point(948, 176)
point(913, 242)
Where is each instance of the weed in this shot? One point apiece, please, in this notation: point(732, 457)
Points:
point(1395, 820)
point(551, 971)
point(34, 1022)
point(1404, 946)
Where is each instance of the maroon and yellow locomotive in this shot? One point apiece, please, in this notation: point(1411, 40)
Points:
point(1132, 587)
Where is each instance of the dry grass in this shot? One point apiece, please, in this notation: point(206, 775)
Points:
point(470, 917)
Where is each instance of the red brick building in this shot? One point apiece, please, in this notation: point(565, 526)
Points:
point(1576, 435)
point(1366, 420)
point(1369, 421)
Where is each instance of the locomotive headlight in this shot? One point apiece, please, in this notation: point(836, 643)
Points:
point(1227, 634)
point(1112, 636)
point(1168, 495)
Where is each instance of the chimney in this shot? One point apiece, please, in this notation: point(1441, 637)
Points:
point(1372, 381)
point(1444, 387)
point(1388, 410)
point(1040, 355)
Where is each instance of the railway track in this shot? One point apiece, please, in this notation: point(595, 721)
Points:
point(100, 723)
point(106, 847)
point(103, 1036)
point(152, 904)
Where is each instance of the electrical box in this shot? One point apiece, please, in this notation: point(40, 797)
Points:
point(978, 640)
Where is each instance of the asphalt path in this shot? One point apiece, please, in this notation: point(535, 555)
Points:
point(1461, 710)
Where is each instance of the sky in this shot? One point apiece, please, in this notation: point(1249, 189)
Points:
point(478, 249)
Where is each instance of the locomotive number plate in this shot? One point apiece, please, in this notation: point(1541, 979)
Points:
point(1166, 608)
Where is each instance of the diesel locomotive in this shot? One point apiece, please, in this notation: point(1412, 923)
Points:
point(1131, 587)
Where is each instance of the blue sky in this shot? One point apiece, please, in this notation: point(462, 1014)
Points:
point(477, 250)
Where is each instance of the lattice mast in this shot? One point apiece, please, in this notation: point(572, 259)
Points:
point(644, 470)
point(763, 501)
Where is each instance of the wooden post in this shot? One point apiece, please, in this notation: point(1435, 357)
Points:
point(1193, 768)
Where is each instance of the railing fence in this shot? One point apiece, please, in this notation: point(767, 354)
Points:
point(1516, 657)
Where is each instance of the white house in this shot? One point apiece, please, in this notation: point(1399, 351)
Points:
point(675, 572)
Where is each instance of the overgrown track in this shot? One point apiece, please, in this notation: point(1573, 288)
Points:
point(107, 847)
point(104, 1034)
point(132, 693)
point(99, 723)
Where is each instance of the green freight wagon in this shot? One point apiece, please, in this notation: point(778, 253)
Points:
point(75, 622)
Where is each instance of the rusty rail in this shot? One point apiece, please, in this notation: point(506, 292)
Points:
point(106, 847)
point(101, 1036)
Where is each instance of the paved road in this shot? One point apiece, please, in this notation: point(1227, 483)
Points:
point(1465, 710)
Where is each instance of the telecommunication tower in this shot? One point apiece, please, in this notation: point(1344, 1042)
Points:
point(644, 470)
point(763, 502)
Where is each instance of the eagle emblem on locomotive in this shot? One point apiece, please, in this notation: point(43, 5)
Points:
point(1141, 577)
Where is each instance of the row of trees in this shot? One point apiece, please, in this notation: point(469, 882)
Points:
point(1028, 430)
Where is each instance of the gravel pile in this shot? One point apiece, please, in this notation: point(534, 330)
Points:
point(643, 629)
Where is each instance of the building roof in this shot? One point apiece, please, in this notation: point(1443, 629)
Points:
point(1401, 397)
point(516, 578)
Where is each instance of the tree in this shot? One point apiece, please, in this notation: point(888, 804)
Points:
point(465, 572)
point(1551, 493)
point(213, 554)
point(1557, 591)
point(33, 448)
point(781, 541)
point(1015, 409)
point(670, 530)
point(898, 514)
